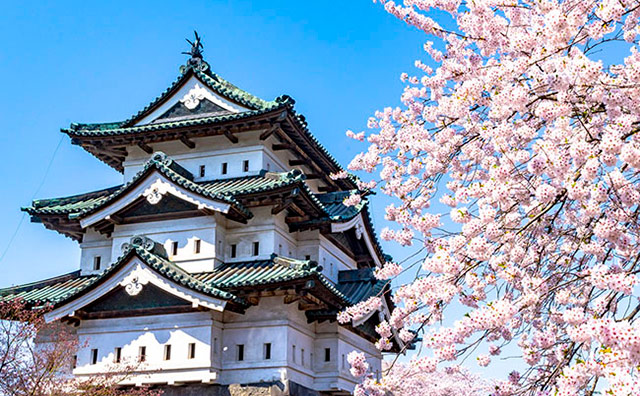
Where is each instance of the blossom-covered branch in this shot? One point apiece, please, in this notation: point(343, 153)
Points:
point(530, 140)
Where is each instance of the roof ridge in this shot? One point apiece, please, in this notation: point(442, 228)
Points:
point(71, 198)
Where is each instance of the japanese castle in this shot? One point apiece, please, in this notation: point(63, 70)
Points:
point(225, 255)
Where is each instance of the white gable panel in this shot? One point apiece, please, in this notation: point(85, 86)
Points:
point(358, 223)
point(190, 94)
point(134, 276)
point(154, 188)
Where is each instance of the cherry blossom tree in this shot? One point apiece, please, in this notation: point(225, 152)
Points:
point(29, 368)
point(411, 379)
point(514, 165)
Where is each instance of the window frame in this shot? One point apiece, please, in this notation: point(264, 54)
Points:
point(240, 352)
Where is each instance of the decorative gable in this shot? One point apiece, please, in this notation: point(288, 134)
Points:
point(184, 110)
point(194, 99)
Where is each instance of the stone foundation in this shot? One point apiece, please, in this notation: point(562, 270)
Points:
point(277, 388)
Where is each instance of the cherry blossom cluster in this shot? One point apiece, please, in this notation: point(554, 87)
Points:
point(514, 163)
point(418, 377)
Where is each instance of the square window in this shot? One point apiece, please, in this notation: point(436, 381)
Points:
point(202, 170)
point(167, 352)
point(174, 248)
point(224, 168)
point(233, 250)
point(256, 248)
point(196, 246)
point(117, 355)
point(94, 356)
point(97, 260)
point(307, 257)
point(192, 351)
point(267, 351)
point(327, 354)
point(142, 354)
point(245, 166)
point(240, 350)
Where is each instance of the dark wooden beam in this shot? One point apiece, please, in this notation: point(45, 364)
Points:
point(282, 146)
point(311, 176)
point(120, 153)
point(289, 299)
point(296, 219)
point(363, 258)
point(114, 218)
point(327, 189)
point(311, 307)
point(145, 147)
point(279, 208)
point(297, 162)
point(189, 143)
point(265, 135)
point(232, 138)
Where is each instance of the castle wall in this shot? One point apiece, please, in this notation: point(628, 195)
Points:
point(297, 348)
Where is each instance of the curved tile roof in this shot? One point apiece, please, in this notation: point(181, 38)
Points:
point(73, 285)
point(218, 283)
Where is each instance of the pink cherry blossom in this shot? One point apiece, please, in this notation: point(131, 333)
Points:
point(513, 162)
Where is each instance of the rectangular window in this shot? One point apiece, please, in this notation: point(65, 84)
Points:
point(196, 246)
point(202, 170)
point(307, 257)
point(117, 355)
point(256, 248)
point(302, 356)
point(344, 365)
point(142, 354)
point(245, 166)
point(311, 360)
point(233, 250)
point(240, 348)
point(192, 351)
point(167, 352)
point(327, 354)
point(174, 248)
point(96, 262)
point(224, 168)
point(267, 351)
point(293, 353)
point(94, 356)
point(74, 361)
point(215, 346)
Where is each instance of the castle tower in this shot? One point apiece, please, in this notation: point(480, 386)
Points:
point(224, 256)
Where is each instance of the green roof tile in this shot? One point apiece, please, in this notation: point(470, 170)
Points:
point(151, 253)
point(353, 286)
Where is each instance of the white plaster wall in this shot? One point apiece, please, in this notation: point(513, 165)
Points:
point(153, 332)
point(335, 374)
point(280, 159)
point(264, 228)
point(333, 259)
point(94, 244)
point(217, 336)
point(272, 321)
point(184, 231)
point(212, 151)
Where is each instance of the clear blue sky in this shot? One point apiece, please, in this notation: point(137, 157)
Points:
point(63, 62)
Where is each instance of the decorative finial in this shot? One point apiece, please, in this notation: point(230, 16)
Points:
point(196, 50)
